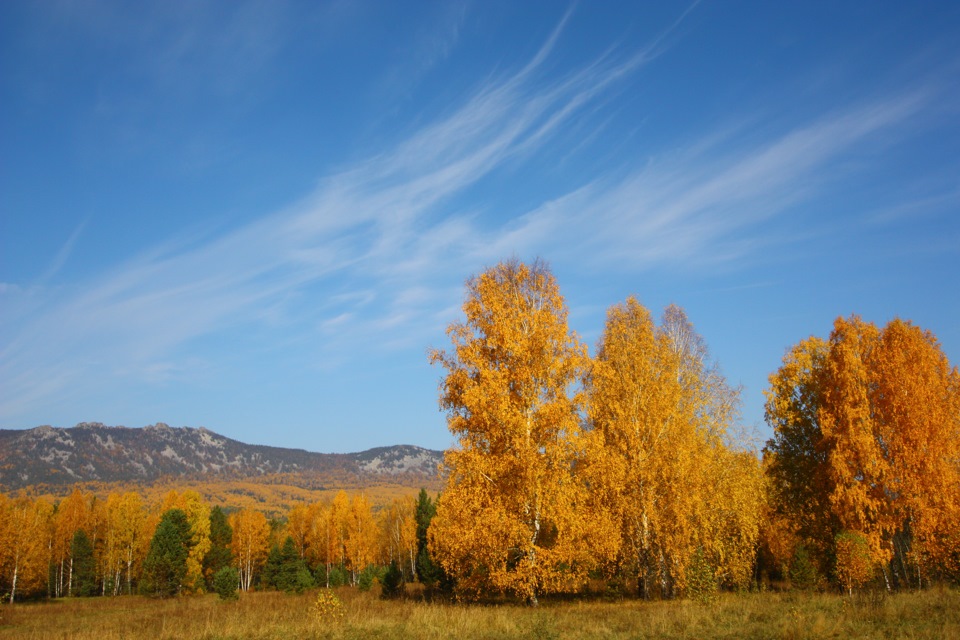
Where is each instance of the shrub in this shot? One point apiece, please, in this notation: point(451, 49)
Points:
point(701, 582)
point(327, 607)
point(225, 582)
point(303, 580)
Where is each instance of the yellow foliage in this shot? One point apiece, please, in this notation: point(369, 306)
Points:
point(24, 544)
point(658, 463)
point(513, 516)
point(867, 439)
point(250, 544)
point(327, 607)
point(398, 533)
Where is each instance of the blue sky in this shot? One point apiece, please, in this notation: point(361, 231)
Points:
point(258, 216)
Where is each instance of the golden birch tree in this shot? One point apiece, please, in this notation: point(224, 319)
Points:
point(319, 537)
point(361, 535)
point(513, 515)
point(867, 439)
point(737, 510)
point(857, 466)
point(299, 524)
point(72, 514)
point(659, 458)
point(915, 397)
point(250, 544)
point(24, 544)
point(398, 534)
point(126, 535)
point(633, 396)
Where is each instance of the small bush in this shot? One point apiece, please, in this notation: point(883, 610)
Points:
point(327, 607)
point(615, 589)
point(225, 583)
point(701, 582)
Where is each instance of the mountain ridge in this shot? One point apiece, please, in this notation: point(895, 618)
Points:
point(94, 452)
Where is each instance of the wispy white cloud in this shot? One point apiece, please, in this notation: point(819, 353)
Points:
point(689, 208)
point(63, 254)
point(377, 226)
point(367, 257)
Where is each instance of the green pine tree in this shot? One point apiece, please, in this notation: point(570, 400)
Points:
point(429, 572)
point(286, 570)
point(219, 555)
point(393, 583)
point(225, 583)
point(84, 567)
point(271, 570)
point(424, 511)
point(166, 564)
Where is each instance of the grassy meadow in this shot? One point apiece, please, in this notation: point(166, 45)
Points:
point(268, 615)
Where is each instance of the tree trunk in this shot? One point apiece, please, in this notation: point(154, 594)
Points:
point(129, 564)
point(13, 587)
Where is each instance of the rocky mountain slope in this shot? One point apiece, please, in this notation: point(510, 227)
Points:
point(95, 452)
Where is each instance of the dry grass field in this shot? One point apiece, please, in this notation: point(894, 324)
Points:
point(268, 615)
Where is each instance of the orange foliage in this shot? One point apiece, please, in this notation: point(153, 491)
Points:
point(867, 439)
point(250, 545)
point(512, 516)
point(658, 463)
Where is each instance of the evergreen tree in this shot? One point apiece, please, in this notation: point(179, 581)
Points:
point(286, 570)
point(271, 570)
point(427, 570)
point(424, 511)
point(84, 567)
point(166, 564)
point(225, 583)
point(369, 576)
point(393, 584)
point(219, 555)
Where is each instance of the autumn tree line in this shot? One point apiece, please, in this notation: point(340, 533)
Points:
point(85, 545)
point(627, 465)
point(627, 468)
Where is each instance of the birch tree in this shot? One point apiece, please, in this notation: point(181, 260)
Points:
point(660, 463)
point(24, 544)
point(513, 515)
point(867, 440)
point(250, 544)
